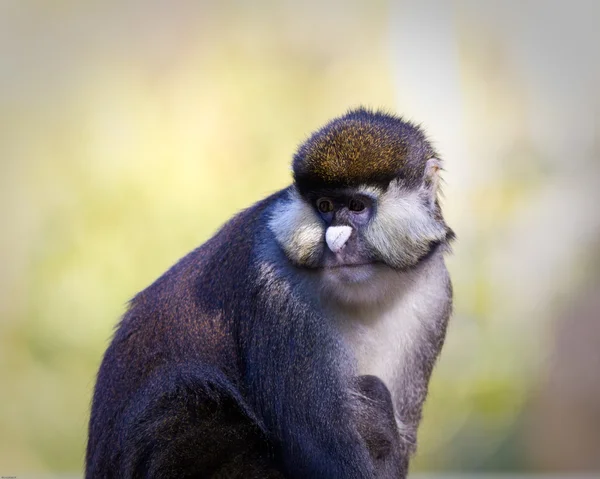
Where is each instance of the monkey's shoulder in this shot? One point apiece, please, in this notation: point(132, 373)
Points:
point(189, 313)
point(211, 277)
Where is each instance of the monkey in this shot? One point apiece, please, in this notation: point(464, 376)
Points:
point(298, 341)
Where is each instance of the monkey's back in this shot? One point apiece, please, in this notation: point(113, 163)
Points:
point(183, 323)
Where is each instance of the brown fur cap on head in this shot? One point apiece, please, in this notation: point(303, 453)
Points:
point(362, 147)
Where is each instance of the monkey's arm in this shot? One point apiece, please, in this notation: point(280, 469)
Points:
point(411, 391)
point(293, 363)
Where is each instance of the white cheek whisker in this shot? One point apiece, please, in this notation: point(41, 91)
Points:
point(297, 229)
point(403, 228)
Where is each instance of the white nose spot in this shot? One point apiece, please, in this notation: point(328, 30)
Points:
point(336, 237)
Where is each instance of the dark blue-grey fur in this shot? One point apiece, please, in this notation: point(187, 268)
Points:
point(215, 371)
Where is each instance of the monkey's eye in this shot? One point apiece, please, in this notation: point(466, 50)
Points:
point(324, 205)
point(356, 205)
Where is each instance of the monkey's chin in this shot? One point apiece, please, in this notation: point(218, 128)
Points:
point(359, 285)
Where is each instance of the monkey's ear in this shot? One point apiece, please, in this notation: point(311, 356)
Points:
point(431, 180)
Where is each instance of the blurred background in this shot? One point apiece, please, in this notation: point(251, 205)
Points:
point(130, 131)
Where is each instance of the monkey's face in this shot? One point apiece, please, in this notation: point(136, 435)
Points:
point(357, 239)
point(363, 205)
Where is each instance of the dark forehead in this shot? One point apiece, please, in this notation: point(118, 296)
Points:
point(362, 147)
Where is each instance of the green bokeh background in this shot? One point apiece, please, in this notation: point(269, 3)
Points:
point(129, 131)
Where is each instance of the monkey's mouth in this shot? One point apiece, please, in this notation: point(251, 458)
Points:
point(350, 265)
point(347, 261)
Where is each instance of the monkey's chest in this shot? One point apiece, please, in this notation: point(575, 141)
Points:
point(383, 345)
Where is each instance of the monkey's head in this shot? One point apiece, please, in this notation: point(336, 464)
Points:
point(364, 204)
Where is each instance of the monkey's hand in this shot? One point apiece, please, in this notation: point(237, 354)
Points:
point(376, 423)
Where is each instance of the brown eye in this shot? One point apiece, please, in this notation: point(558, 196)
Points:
point(325, 205)
point(356, 205)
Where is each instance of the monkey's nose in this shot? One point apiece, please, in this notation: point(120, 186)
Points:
point(336, 237)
